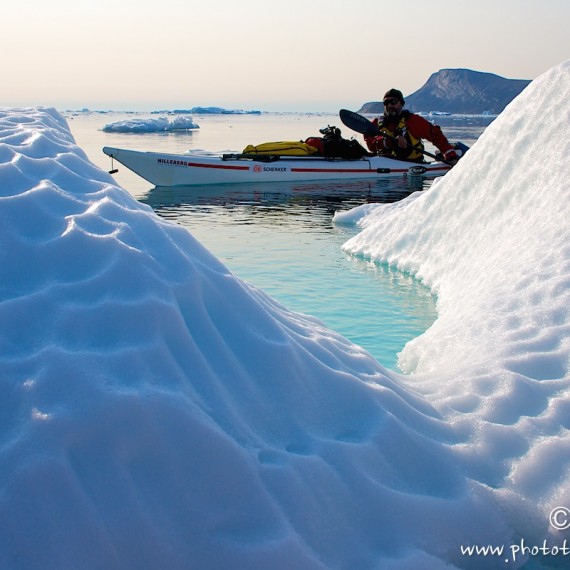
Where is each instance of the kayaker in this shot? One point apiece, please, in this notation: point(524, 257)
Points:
point(405, 131)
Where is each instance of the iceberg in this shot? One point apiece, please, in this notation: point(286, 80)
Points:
point(492, 239)
point(151, 125)
point(158, 412)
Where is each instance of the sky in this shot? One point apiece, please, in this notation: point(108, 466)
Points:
point(299, 55)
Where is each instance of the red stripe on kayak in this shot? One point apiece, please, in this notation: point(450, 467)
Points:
point(222, 166)
point(343, 170)
point(372, 171)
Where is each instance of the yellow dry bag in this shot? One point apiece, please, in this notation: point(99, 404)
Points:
point(283, 148)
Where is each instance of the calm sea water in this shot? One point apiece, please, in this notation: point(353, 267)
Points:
point(280, 237)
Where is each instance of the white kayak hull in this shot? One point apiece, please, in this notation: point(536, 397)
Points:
point(188, 170)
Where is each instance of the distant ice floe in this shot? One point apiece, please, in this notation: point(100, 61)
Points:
point(151, 125)
point(217, 111)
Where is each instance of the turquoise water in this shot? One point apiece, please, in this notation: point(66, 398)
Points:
point(281, 237)
point(283, 241)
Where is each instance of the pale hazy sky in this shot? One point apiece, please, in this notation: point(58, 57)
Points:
point(271, 55)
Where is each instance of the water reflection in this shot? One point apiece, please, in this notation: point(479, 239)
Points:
point(277, 202)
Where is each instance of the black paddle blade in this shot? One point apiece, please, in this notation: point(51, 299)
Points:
point(358, 123)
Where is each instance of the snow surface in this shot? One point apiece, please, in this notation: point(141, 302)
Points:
point(151, 125)
point(157, 412)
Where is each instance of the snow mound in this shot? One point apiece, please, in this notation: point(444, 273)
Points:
point(492, 239)
point(159, 412)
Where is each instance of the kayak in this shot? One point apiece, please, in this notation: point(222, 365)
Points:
point(167, 170)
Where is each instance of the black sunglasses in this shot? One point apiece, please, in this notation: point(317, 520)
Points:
point(391, 101)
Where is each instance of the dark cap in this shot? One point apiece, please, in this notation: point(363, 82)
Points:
point(396, 94)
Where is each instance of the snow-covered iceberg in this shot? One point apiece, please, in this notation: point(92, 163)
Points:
point(157, 412)
point(151, 125)
point(492, 239)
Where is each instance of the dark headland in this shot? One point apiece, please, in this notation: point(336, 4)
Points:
point(459, 91)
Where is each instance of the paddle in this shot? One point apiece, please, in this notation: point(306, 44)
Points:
point(362, 125)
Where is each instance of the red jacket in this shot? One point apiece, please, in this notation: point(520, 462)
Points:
point(418, 128)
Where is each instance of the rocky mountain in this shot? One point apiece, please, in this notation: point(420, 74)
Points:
point(459, 91)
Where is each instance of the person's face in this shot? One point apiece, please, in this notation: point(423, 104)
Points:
point(392, 106)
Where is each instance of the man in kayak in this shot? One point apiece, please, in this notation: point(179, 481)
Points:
point(404, 132)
